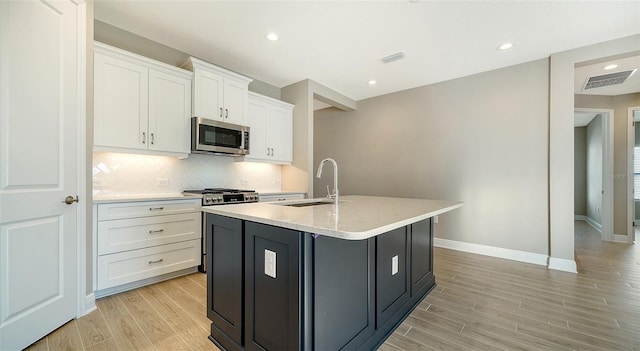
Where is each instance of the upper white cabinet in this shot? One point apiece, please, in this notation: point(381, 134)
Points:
point(271, 133)
point(218, 94)
point(140, 105)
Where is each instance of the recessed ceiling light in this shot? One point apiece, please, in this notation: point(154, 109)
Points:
point(272, 36)
point(505, 46)
point(613, 66)
point(372, 82)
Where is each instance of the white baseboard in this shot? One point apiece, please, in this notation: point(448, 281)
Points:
point(514, 255)
point(620, 238)
point(597, 226)
point(89, 304)
point(561, 264)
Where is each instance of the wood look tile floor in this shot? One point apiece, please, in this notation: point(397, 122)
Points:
point(480, 303)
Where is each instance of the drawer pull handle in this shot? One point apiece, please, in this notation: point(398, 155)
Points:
point(156, 261)
point(156, 231)
point(155, 208)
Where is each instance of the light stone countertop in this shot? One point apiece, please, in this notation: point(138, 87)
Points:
point(358, 217)
point(109, 198)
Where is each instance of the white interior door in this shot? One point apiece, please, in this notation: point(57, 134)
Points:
point(38, 168)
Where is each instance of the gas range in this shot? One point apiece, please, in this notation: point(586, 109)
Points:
point(223, 196)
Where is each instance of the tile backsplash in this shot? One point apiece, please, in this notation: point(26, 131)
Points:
point(116, 173)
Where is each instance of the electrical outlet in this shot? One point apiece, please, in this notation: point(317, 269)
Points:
point(435, 219)
point(394, 265)
point(270, 263)
point(162, 181)
point(244, 182)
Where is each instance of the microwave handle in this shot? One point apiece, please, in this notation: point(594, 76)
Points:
point(242, 138)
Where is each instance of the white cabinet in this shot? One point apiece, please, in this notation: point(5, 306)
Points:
point(271, 133)
point(140, 105)
point(218, 94)
point(136, 242)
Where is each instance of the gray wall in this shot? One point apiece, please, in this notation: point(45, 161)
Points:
point(594, 169)
point(619, 104)
point(481, 139)
point(580, 170)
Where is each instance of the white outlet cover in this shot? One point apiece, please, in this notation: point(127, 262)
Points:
point(394, 265)
point(270, 263)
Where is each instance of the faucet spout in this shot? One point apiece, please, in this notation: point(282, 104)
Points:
point(335, 177)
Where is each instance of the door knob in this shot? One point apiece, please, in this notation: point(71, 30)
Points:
point(70, 199)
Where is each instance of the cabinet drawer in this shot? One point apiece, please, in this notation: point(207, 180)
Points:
point(130, 266)
point(137, 233)
point(146, 209)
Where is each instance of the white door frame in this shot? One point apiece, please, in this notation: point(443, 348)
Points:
point(631, 140)
point(86, 302)
point(607, 170)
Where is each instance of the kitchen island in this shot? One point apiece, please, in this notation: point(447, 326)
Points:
point(310, 275)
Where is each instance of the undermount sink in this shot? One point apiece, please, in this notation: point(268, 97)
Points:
point(310, 202)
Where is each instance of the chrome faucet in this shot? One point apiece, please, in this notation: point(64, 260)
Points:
point(335, 178)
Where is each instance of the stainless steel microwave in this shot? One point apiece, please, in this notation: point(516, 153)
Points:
point(215, 137)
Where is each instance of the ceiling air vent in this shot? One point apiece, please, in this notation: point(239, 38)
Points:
point(606, 80)
point(393, 57)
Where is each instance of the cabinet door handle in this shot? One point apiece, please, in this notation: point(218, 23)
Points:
point(220, 112)
point(156, 208)
point(144, 137)
point(156, 231)
point(153, 139)
point(156, 261)
point(226, 113)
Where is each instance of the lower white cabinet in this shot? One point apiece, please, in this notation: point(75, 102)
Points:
point(129, 266)
point(137, 241)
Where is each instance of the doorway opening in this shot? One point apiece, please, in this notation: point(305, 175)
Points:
point(593, 161)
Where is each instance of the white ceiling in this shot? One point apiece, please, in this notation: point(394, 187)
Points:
point(338, 44)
